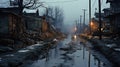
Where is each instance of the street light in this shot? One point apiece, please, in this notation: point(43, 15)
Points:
point(93, 26)
point(91, 23)
point(75, 29)
point(75, 37)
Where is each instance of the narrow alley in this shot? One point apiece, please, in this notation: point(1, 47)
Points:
point(71, 52)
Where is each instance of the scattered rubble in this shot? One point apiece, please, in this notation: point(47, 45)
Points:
point(21, 56)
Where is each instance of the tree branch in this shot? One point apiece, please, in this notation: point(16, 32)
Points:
point(28, 3)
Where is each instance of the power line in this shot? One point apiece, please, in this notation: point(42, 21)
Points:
point(94, 3)
point(49, 2)
point(102, 3)
point(62, 1)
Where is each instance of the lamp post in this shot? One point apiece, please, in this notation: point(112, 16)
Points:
point(90, 15)
point(84, 19)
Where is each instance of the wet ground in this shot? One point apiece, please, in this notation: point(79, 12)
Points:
point(71, 52)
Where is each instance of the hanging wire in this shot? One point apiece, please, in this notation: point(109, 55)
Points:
point(49, 2)
point(102, 3)
point(94, 3)
point(62, 1)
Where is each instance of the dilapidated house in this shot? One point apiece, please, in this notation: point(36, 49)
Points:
point(38, 26)
point(9, 22)
point(33, 23)
point(113, 14)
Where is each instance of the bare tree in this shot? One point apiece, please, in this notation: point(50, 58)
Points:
point(57, 14)
point(29, 4)
point(51, 12)
point(59, 17)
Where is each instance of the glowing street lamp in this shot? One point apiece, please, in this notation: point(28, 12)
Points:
point(75, 37)
point(91, 23)
point(75, 28)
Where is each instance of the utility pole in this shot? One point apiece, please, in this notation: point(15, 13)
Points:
point(76, 28)
point(84, 19)
point(76, 23)
point(100, 23)
point(80, 23)
point(90, 16)
point(80, 19)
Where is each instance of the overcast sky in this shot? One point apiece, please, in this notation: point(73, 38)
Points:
point(73, 8)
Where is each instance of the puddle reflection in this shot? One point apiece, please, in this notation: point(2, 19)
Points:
point(69, 53)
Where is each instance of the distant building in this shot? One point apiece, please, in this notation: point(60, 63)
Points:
point(39, 25)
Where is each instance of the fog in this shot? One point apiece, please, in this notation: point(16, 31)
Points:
point(73, 8)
